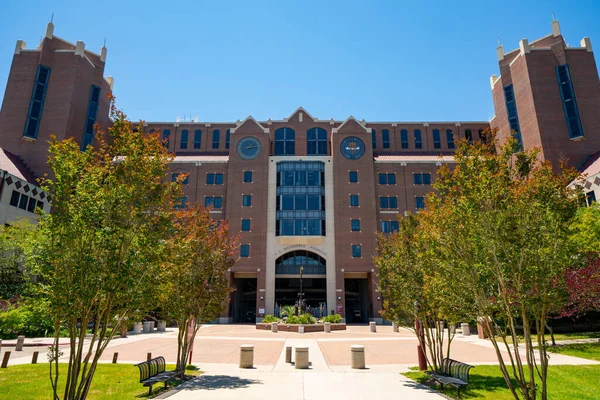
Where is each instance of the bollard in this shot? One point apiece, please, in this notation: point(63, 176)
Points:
point(288, 354)
point(466, 330)
point(247, 356)
point(395, 327)
point(20, 342)
point(357, 353)
point(327, 327)
point(149, 356)
point(35, 357)
point(301, 358)
point(373, 326)
point(5, 359)
point(274, 327)
point(301, 329)
point(115, 357)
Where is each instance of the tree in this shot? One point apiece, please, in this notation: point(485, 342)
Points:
point(15, 278)
point(100, 249)
point(501, 220)
point(195, 285)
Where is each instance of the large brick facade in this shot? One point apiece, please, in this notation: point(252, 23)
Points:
point(391, 178)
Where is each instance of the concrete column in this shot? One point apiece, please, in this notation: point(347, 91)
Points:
point(20, 342)
point(395, 327)
point(301, 358)
point(373, 326)
point(288, 354)
point(358, 356)
point(327, 327)
point(274, 327)
point(466, 330)
point(247, 356)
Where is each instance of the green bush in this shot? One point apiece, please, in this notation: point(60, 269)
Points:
point(270, 318)
point(306, 319)
point(334, 318)
point(31, 318)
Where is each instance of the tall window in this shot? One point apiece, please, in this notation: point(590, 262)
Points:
point(450, 138)
point(216, 138)
point(245, 225)
point(437, 142)
point(388, 178)
point(227, 137)
point(166, 134)
point(90, 121)
point(420, 202)
point(316, 142)
point(353, 176)
point(354, 200)
point(184, 139)
point(418, 142)
point(36, 104)
point(422, 178)
point(567, 93)
point(175, 175)
point(247, 176)
point(197, 139)
point(388, 202)
point(285, 142)
point(404, 138)
point(300, 202)
point(385, 138)
point(355, 223)
point(214, 179)
point(356, 251)
point(374, 138)
point(482, 136)
point(245, 250)
point(513, 116)
point(216, 202)
point(469, 136)
point(247, 200)
point(590, 198)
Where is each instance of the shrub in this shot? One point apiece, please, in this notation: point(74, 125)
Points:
point(334, 318)
point(306, 319)
point(31, 318)
point(270, 318)
point(287, 311)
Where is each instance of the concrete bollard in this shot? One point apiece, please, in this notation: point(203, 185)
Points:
point(301, 358)
point(274, 327)
point(327, 327)
point(288, 354)
point(34, 357)
point(358, 356)
point(20, 343)
point(115, 357)
point(395, 327)
point(301, 329)
point(373, 326)
point(247, 356)
point(466, 330)
point(147, 326)
point(5, 359)
point(149, 356)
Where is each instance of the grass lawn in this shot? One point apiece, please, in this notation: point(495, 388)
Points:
point(559, 336)
point(584, 350)
point(111, 381)
point(580, 382)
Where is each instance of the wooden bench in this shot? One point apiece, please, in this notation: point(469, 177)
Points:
point(153, 371)
point(453, 373)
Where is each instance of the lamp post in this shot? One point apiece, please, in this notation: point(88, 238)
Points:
point(301, 271)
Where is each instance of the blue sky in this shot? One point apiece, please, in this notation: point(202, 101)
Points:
point(224, 60)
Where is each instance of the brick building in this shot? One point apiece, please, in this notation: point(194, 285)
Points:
point(303, 193)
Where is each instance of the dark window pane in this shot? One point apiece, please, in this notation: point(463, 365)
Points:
point(14, 198)
point(247, 176)
point(23, 202)
point(245, 250)
point(391, 179)
point(385, 138)
point(197, 139)
point(356, 251)
point(426, 179)
point(300, 202)
point(184, 139)
point(393, 202)
point(210, 179)
point(245, 225)
point(247, 200)
point(353, 200)
point(356, 225)
point(31, 205)
point(218, 202)
point(382, 179)
point(353, 176)
point(287, 202)
point(417, 179)
point(404, 138)
point(218, 179)
point(216, 137)
point(383, 202)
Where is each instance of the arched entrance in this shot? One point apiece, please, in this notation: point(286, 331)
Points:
point(289, 280)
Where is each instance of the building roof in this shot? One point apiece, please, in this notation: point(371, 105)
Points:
point(592, 166)
point(200, 159)
point(15, 166)
point(415, 158)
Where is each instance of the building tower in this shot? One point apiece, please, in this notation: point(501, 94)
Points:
point(548, 94)
point(59, 89)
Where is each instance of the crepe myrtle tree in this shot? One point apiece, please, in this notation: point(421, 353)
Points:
point(194, 279)
point(500, 223)
point(100, 249)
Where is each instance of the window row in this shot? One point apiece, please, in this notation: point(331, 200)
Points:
point(300, 178)
point(214, 179)
point(300, 227)
point(285, 142)
point(216, 139)
point(300, 202)
point(25, 202)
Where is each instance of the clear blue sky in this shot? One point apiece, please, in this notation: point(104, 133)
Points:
point(223, 60)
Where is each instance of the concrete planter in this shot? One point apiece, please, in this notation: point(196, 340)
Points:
point(137, 328)
point(307, 328)
point(161, 326)
point(148, 326)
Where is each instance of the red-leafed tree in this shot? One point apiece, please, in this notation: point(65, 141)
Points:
point(583, 289)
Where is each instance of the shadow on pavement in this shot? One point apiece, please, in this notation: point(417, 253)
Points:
point(214, 382)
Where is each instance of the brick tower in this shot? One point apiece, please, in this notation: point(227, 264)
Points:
point(57, 88)
point(548, 93)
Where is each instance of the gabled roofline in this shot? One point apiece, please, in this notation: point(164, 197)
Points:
point(250, 117)
point(336, 130)
point(300, 109)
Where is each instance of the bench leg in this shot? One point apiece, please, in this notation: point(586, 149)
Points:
point(150, 391)
point(458, 392)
